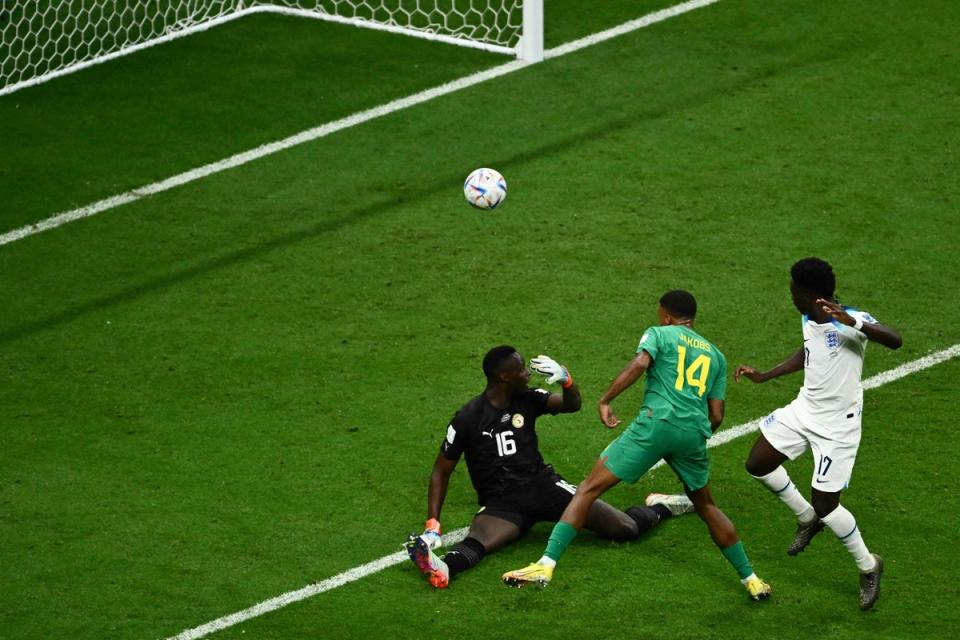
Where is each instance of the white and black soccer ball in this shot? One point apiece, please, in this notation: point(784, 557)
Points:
point(485, 189)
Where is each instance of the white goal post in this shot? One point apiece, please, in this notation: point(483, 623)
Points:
point(43, 39)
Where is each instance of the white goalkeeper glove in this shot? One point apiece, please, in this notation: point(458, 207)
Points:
point(555, 371)
point(431, 533)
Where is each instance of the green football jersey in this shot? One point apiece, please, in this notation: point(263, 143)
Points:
point(687, 370)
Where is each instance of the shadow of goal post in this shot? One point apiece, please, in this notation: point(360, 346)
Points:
point(40, 41)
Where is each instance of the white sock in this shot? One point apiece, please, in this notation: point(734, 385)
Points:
point(782, 486)
point(844, 525)
point(547, 562)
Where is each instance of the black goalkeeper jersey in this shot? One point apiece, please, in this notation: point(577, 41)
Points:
point(500, 445)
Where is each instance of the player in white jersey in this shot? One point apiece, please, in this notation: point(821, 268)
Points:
point(824, 417)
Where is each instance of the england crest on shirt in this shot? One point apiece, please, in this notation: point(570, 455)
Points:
point(833, 341)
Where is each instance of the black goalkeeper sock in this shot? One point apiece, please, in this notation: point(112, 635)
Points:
point(662, 511)
point(646, 518)
point(464, 555)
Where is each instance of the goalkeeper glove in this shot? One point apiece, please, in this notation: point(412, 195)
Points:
point(550, 367)
point(431, 533)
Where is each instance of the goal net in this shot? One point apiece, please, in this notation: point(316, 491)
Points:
point(43, 39)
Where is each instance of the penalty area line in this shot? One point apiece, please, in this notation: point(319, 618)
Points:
point(453, 537)
point(309, 135)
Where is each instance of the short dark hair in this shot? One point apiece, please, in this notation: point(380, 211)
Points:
point(680, 303)
point(815, 275)
point(493, 361)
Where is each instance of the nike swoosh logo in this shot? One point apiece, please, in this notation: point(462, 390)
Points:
point(820, 481)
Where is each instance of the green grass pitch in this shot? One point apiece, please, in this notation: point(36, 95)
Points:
point(236, 388)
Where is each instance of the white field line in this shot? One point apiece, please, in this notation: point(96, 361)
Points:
point(627, 27)
point(324, 130)
point(456, 536)
point(306, 592)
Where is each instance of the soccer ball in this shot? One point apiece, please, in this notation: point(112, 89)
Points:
point(485, 189)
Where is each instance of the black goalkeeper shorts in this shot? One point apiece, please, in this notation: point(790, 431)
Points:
point(543, 500)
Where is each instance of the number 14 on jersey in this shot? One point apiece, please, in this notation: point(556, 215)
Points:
point(696, 374)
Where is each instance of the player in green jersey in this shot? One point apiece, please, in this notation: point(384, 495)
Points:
point(683, 405)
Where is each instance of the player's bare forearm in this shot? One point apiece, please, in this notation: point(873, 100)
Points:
point(630, 374)
point(436, 495)
point(715, 409)
point(439, 481)
point(567, 402)
point(571, 399)
point(882, 335)
point(790, 365)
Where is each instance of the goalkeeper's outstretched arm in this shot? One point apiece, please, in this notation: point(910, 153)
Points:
point(567, 402)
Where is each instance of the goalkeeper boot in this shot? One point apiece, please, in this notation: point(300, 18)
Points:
point(870, 584)
point(804, 535)
point(677, 503)
point(531, 574)
point(757, 588)
point(436, 570)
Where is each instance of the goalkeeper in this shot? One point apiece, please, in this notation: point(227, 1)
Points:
point(496, 433)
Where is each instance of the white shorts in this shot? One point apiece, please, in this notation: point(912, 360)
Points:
point(834, 447)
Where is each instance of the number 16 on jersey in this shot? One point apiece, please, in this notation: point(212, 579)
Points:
point(505, 443)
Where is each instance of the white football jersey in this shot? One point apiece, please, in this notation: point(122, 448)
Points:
point(832, 367)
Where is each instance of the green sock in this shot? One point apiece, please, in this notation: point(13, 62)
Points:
point(561, 536)
point(736, 556)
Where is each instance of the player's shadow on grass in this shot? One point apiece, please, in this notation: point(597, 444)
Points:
point(625, 121)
